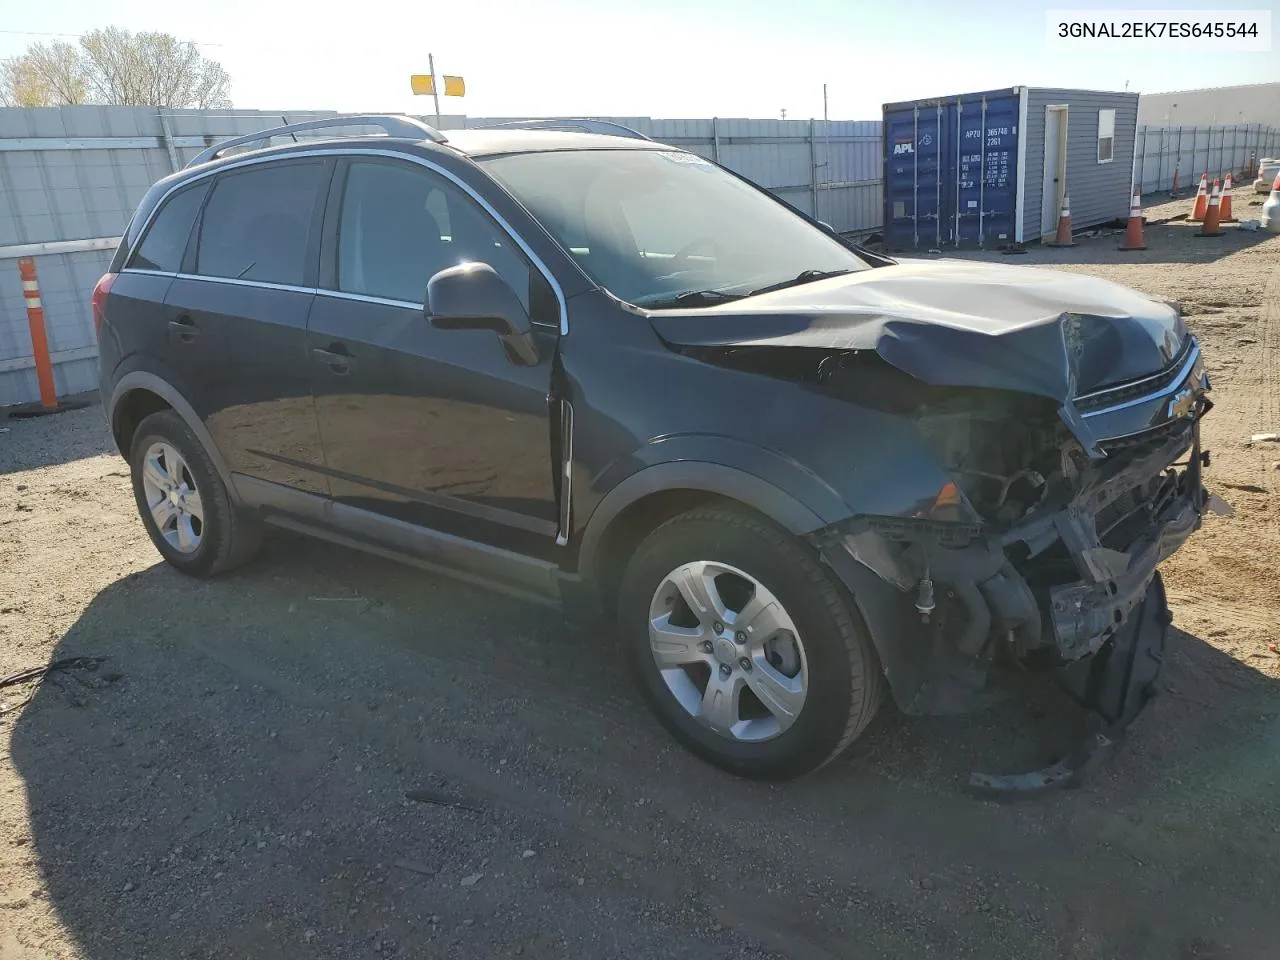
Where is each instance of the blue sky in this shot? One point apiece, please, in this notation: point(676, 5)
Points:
point(661, 58)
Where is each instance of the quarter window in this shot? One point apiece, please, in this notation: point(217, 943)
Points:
point(399, 225)
point(1106, 135)
point(257, 222)
point(166, 240)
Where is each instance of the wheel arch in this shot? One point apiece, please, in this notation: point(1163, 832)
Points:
point(139, 394)
point(651, 496)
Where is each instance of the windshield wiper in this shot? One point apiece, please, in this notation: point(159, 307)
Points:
point(692, 298)
point(804, 276)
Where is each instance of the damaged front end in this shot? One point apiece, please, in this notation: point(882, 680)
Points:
point(1041, 548)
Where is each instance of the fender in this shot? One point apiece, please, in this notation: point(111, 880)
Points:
point(142, 380)
point(787, 494)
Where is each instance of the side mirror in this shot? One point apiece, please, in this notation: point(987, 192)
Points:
point(471, 296)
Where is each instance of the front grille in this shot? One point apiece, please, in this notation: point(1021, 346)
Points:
point(1156, 436)
point(1136, 389)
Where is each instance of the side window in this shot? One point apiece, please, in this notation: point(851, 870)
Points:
point(166, 239)
point(401, 224)
point(256, 223)
point(1106, 135)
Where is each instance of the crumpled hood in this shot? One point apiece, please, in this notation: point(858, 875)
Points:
point(958, 323)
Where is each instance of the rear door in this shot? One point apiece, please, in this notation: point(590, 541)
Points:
point(435, 427)
point(240, 309)
point(138, 297)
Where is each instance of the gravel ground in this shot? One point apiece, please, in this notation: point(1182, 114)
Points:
point(328, 755)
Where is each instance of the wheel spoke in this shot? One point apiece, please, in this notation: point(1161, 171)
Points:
point(187, 539)
point(781, 695)
point(172, 464)
point(719, 707)
point(154, 472)
point(761, 618)
point(697, 585)
point(193, 505)
point(675, 646)
point(162, 511)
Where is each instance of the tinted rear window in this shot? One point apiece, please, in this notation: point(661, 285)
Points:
point(166, 239)
point(257, 221)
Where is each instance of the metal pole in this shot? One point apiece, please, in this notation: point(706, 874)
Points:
point(1142, 171)
point(174, 163)
point(715, 139)
point(825, 118)
point(813, 168)
point(435, 89)
point(1159, 154)
point(1178, 153)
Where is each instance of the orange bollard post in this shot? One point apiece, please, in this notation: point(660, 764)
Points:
point(39, 338)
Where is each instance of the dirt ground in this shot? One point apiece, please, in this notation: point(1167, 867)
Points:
point(237, 778)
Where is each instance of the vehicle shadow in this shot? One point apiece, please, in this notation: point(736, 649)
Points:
point(232, 780)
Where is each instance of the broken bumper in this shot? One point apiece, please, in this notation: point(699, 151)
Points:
point(1068, 585)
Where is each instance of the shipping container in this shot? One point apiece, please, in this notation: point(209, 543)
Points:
point(989, 169)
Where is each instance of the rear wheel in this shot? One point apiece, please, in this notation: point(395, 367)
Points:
point(743, 645)
point(183, 502)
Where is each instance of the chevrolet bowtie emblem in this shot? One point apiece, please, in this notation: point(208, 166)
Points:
point(1182, 404)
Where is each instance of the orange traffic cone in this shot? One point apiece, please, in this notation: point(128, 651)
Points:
point(1133, 229)
point(1224, 212)
point(1211, 216)
point(1063, 237)
point(1202, 199)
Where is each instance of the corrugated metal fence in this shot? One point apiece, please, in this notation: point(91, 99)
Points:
point(71, 177)
point(831, 170)
point(1191, 151)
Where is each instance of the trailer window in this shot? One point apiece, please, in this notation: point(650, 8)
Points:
point(1106, 135)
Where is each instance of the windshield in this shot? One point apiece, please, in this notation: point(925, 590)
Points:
point(667, 228)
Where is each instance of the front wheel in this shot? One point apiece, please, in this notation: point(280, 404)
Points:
point(745, 648)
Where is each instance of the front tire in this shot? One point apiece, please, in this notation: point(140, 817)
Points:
point(746, 649)
point(183, 503)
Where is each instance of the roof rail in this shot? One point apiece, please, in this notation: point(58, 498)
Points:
point(583, 125)
point(403, 128)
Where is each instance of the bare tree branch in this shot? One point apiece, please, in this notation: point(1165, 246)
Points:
point(114, 66)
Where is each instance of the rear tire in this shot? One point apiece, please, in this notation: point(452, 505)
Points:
point(819, 672)
point(183, 502)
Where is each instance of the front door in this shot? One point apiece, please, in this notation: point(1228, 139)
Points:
point(434, 427)
point(241, 306)
point(1055, 169)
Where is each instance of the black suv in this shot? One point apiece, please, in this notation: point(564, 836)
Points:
point(600, 368)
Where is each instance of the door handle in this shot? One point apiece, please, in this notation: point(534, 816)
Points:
point(184, 327)
point(337, 359)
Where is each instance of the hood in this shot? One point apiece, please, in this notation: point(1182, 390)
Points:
point(958, 323)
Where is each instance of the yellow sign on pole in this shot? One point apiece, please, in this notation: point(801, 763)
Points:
point(424, 85)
